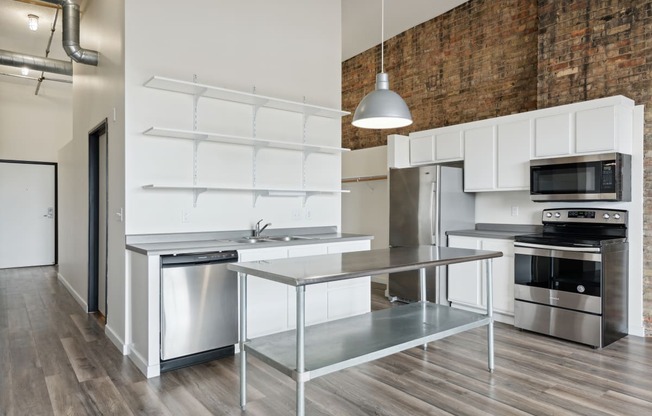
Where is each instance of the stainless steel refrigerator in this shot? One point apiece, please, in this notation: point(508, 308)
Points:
point(424, 203)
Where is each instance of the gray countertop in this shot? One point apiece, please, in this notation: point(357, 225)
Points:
point(498, 231)
point(220, 244)
point(301, 271)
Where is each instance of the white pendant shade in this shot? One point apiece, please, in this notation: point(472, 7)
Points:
point(382, 108)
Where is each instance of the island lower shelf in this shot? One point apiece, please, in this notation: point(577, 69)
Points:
point(335, 345)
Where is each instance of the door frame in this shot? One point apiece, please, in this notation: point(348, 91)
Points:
point(56, 198)
point(94, 214)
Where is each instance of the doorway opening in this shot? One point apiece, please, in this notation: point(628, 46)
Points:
point(98, 200)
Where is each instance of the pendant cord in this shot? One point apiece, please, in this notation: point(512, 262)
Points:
point(382, 36)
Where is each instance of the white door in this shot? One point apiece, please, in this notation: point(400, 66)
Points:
point(27, 214)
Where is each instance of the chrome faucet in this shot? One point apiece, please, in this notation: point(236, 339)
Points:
point(258, 230)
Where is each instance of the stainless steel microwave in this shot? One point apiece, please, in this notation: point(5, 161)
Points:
point(601, 177)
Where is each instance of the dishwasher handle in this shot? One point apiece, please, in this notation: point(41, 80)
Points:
point(228, 256)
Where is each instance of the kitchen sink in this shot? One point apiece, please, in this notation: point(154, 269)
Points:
point(266, 239)
point(252, 240)
point(288, 238)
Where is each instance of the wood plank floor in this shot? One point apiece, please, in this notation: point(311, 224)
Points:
point(54, 359)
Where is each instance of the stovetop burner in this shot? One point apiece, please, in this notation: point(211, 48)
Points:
point(565, 240)
point(573, 227)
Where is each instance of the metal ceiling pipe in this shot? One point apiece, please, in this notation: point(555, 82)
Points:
point(36, 63)
point(71, 18)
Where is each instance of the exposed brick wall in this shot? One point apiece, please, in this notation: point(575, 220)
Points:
point(590, 49)
point(492, 58)
point(477, 61)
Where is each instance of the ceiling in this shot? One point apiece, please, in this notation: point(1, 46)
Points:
point(16, 37)
point(361, 21)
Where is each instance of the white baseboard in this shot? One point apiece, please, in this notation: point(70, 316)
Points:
point(73, 292)
point(148, 370)
point(116, 340)
point(639, 331)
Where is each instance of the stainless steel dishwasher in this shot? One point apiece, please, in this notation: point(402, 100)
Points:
point(199, 308)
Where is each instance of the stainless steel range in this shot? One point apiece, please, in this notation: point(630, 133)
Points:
point(571, 280)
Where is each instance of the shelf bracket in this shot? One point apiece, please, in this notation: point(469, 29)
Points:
point(195, 194)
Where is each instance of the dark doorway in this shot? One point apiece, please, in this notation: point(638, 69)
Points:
point(97, 218)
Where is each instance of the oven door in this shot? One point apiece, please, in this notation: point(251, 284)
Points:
point(558, 276)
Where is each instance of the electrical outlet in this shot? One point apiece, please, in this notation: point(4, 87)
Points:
point(514, 211)
point(296, 214)
point(308, 215)
point(185, 216)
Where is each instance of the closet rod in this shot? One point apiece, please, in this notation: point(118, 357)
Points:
point(365, 179)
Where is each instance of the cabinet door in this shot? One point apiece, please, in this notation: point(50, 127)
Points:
point(513, 151)
point(449, 146)
point(266, 300)
point(480, 159)
point(502, 275)
point(316, 300)
point(465, 286)
point(552, 135)
point(422, 150)
point(352, 296)
point(595, 130)
point(349, 247)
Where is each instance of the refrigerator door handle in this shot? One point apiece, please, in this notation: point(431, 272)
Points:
point(434, 213)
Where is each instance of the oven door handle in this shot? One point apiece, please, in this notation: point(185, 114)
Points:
point(559, 248)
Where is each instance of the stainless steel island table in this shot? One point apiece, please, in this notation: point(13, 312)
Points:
point(320, 349)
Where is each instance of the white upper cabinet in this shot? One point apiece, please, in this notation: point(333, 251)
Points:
point(480, 159)
point(597, 126)
point(497, 157)
point(434, 146)
point(422, 150)
point(497, 151)
point(449, 146)
point(552, 135)
point(595, 130)
point(513, 150)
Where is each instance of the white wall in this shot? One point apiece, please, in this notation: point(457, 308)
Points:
point(34, 127)
point(288, 49)
point(365, 210)
point(97, 93)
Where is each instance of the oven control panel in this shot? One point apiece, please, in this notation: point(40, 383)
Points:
point(584, 215)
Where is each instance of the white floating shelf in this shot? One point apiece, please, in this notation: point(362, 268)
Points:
point(241, 140)
point(265, 191)
point(209, 91)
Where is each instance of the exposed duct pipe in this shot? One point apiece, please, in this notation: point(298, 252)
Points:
point(71, 18)
point(40, 79)
point(35, 63)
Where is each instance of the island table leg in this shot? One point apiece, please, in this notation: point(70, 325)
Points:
point(301, 322)
point(243, 338)
point(423, 295)
point(490, 314)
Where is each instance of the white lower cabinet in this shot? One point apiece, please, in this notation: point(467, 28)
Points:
point(316, 295)
point(266, 300)
point(271, 306)
point(352, 296)
point(466, 282)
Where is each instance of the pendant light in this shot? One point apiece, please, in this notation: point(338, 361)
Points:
point(382, 108)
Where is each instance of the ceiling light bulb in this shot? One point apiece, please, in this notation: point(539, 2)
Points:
point(32, 21)
point(24, 70)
